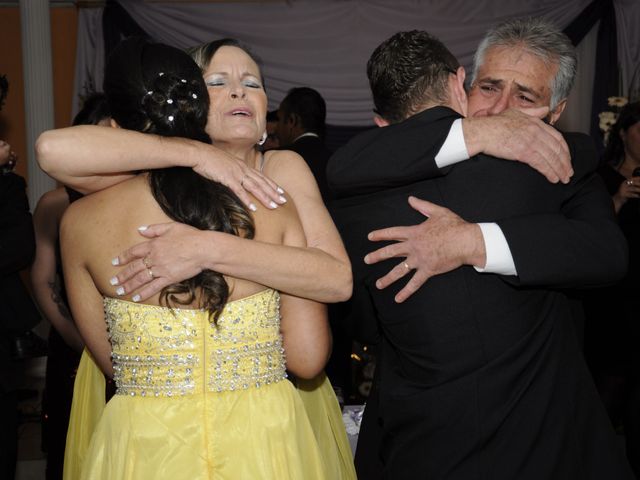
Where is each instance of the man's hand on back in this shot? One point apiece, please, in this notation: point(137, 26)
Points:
point(514, 135)
point(438, 245)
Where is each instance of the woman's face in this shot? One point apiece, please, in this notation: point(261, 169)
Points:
point(238, 107)
point(631, 140)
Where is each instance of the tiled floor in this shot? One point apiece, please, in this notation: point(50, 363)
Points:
point(31, 458)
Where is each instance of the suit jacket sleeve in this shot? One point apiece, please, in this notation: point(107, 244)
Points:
point(17, 240)
point(396, 155)
point(582, 245)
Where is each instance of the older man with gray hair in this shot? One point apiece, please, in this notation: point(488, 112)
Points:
point(480, 374)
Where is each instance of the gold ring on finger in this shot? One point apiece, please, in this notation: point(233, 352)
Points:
point(147, 262)
point(150, 273)
point(406, 265)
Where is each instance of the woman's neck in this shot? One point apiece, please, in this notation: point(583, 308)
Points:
point(246, 153)
point(628, 164)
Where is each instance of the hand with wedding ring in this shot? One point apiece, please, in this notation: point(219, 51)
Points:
point(438, 245)
point(147, 263)
point(171, 254)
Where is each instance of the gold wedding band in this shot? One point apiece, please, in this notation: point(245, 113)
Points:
point(406, 265)
point(147, 262)
point(150, 273)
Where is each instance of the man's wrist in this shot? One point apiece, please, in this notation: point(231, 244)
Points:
point(473, 135)
point(475, 249)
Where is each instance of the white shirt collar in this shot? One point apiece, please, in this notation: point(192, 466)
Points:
point(306, 134)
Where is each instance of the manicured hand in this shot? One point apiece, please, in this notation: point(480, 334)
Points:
point(172, 254)
point(241, 179)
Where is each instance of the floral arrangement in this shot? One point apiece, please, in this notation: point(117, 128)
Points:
point(609, 117)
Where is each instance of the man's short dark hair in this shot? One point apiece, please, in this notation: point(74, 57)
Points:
point(308, 105)
point(407, 71)
point(272, 115)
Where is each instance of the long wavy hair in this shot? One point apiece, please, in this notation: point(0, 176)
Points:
point(614, 150)
point(155, 88)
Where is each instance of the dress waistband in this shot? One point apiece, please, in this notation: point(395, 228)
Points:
point(226, 369)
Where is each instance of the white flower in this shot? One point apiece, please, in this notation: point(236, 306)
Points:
point(610, 117)
point(617, 101)
point(607, 119)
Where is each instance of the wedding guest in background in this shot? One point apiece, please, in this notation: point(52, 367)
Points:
point(271, 142)
point(301, 127)
point(47, 280)
point(18, 313)
point(612, 328)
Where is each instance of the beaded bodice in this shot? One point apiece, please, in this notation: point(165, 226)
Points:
point(158, 351)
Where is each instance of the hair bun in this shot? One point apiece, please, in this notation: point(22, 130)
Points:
point(170, 99)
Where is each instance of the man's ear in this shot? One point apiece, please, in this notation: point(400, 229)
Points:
point(380, 122)
point(555, 114)
point(459, 90)
point(294, 119)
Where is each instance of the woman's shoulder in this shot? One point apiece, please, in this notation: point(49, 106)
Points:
point(283, 162)
point(120, 200)
point(290, 171)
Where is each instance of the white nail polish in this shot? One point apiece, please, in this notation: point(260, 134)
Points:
point(280, 190)
point(272, 204)
point(136, 298)
point(115, 261)
point(142, 228)
point(113, 281)
point(120, 290)
point(283, 199)
point(252, 207)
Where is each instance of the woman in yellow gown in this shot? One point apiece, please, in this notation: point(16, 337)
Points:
point(93, 158)
point(200, 388)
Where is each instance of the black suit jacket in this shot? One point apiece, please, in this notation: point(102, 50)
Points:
point(18, 312)
point(316, 154)
point(17, 247)
point(480, 375)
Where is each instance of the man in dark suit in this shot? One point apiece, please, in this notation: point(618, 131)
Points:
point(480, 375)
point(301, 128)
point(18, 313)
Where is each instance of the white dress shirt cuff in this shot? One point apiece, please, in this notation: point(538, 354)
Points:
point(453, 149)
point(499, 258)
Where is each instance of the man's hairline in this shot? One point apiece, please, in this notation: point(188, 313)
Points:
point(556, 63)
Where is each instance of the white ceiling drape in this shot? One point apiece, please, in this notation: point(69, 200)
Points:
point(326, 44)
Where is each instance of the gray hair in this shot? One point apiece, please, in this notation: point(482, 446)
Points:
point(540, 38)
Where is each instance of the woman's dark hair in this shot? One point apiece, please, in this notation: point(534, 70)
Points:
point(614, 151)
point(4, 89)
point(158, 89)
point(95, 108)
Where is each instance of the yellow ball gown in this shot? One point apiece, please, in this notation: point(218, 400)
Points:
point(200, 401)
